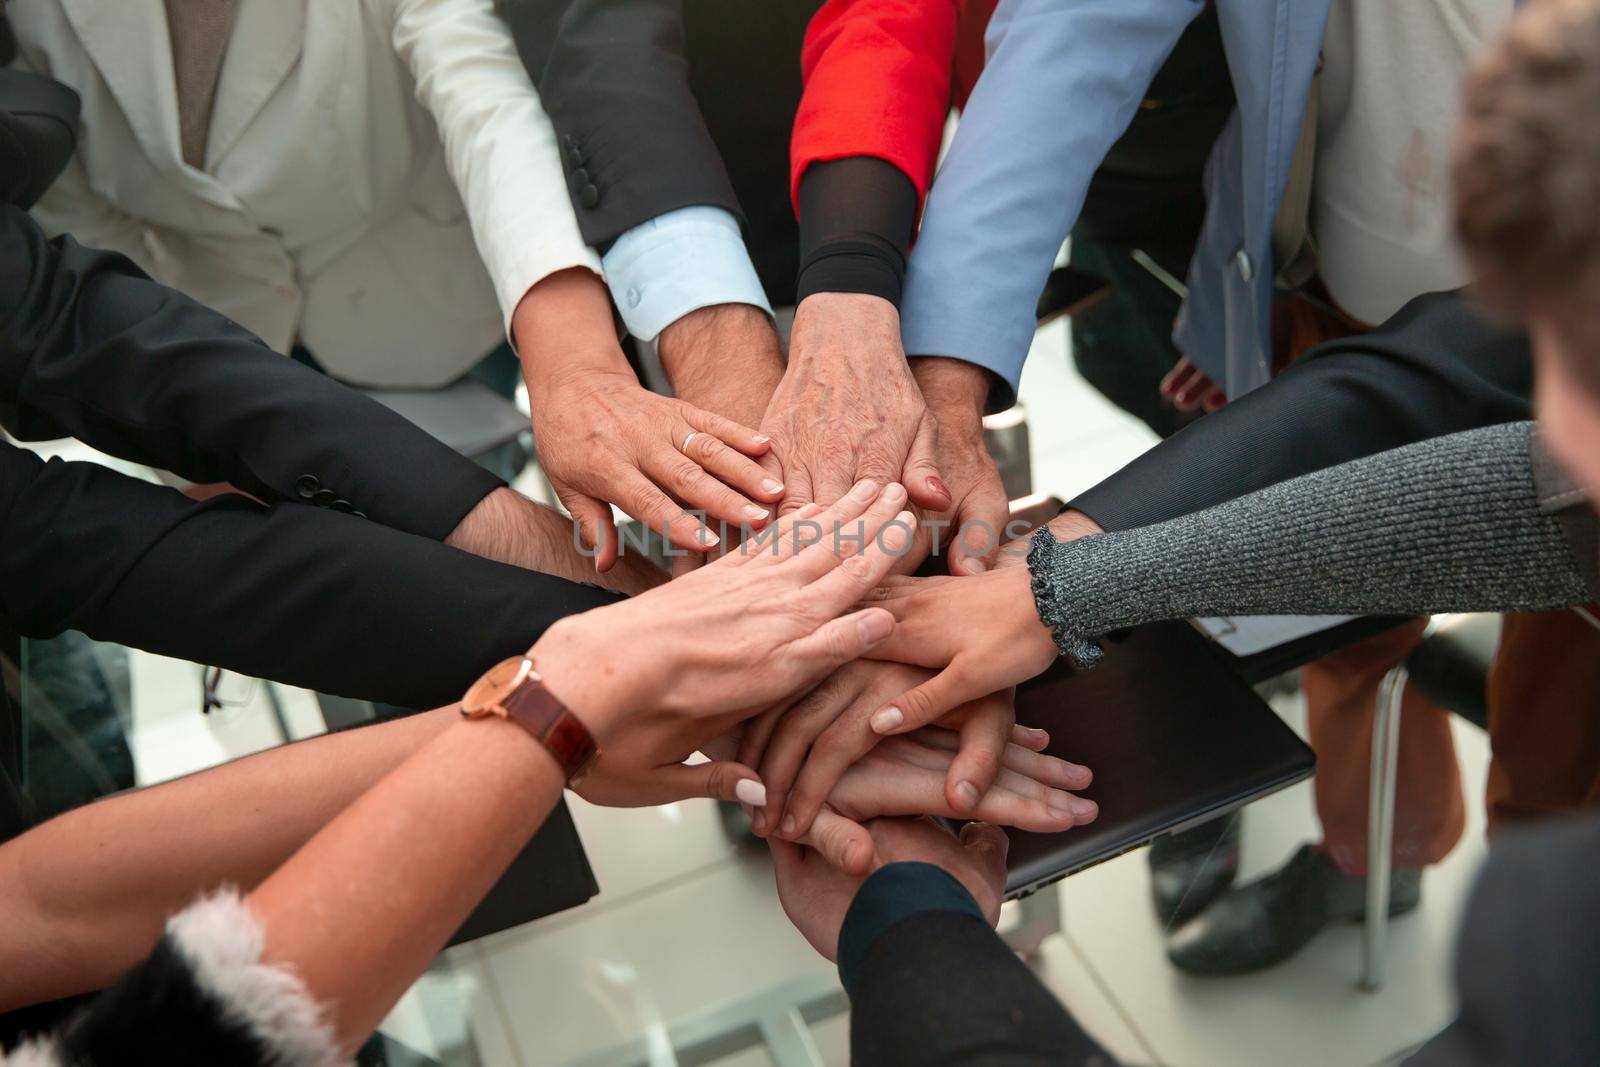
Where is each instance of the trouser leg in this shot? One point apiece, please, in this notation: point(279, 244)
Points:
point(1544, 717)
point(1341, 699)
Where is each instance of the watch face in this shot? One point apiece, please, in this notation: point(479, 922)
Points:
point(499, 682)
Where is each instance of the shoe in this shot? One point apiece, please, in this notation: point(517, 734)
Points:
point(1257, 925)
point(1190, 869)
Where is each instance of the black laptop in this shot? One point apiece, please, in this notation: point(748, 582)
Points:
point(1174, 736)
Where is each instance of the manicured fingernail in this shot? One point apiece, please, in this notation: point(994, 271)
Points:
point(788, 826)
point(939, 488)
point(753, 512)
point(706, 537)
point(894, 493)
point(886, 720)
point(749, 791)
point(968, 794)
point(865, 489)
point(761, 439)
point(771, 485)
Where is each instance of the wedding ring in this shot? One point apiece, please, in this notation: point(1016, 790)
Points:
point(685, 446)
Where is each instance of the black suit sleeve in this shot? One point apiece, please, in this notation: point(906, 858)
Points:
point(91, 348)
point(1434, 368)
point(614, 77)
point(913, 920)
point(301, 595)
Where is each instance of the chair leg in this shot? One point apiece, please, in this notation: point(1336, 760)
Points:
point(1380, 825)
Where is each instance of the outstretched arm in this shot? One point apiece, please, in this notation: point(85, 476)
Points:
point(929, 908)
point(1061, 84)
point(1457, 523)
point(86, 893)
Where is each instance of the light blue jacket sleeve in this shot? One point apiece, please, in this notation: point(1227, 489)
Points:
point(1062, 81)
point(676, 263)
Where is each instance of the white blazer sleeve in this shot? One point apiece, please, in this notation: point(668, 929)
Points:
point(499, 144)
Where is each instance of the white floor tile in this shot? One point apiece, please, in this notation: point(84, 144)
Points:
point(632, 849)
point(1308, 1009)
point(171, 737)
point(1062, 968)
point(1062, 407)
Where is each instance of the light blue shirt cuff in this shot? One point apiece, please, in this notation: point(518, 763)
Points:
point(679, 262)
point(941, 320)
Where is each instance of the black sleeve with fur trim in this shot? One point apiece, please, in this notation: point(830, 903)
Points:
point(202, 997)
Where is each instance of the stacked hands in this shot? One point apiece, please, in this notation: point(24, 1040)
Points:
point(829, 691)
point(757, 661)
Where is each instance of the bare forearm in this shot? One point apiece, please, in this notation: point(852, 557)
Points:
point(563, 326)
point(725, 359)
point(509, 528)
point(84, 895)
point(453, 816)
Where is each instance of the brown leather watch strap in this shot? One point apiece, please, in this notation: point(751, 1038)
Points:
point(541, 713)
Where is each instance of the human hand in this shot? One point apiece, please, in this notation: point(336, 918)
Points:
point(802, 751)
point(816, 895)
point(604, 439)
point(656, 677)
point(848, 406)
point(1188, 388)
point(932, 629)
point(956, 392)
point(906, 776)
point(507, 527)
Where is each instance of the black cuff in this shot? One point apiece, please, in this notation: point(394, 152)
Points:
point(894, 893)
point(856, 217)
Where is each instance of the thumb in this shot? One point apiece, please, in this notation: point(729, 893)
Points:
point(797, 490)
point(987, 840)
point(987, 845)
point(977, 531)
point(843, 842)
point(928, 702)
point(594, 523)
point(719, 779)
point(921, 474)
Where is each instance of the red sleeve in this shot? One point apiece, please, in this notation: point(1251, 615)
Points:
point(877, 83)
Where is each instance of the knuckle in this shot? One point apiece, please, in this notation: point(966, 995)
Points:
point(683, 471)
point(916, 705)
point(983, 761)
point(704, 448)
point(834, 644)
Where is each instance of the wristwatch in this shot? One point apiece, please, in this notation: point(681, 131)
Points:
point(513, 690)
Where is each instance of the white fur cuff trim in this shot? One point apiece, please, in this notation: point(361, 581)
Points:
point(222, 941)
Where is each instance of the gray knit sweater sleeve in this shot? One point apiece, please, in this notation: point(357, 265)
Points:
point(1449, 524)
